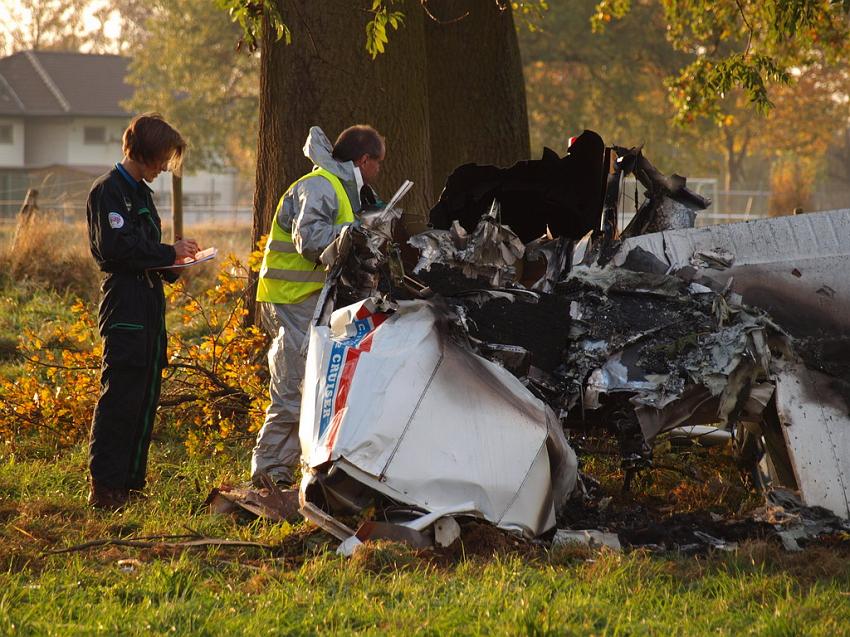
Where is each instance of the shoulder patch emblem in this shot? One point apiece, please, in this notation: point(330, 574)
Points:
point(115, 220)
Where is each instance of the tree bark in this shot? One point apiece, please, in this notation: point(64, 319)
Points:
point(476, 90)
point(442, 95)
point(735, 175)
point(326, 78)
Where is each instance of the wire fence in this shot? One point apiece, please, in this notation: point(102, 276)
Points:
point(727, 206)
point(67, 212)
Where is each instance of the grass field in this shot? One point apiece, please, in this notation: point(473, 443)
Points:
point(304, 588)
point(487, 585)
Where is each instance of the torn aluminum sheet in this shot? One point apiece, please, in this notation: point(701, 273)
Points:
point(795, 523)
point(557, 254)
point(587, 537)
point(446, 531)
point(492, 251)
point(717, 258)
point(391, 403)
point(672, 215)
point(794, 267)
point(816, 428)
point(706, 435)
point(380, 221)
point(269, 502)
point(669, 204)
point(380, 225)
point(659, 351)
point(650, 336)
point(625, 281)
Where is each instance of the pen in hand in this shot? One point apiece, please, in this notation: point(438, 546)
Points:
point(185, 248)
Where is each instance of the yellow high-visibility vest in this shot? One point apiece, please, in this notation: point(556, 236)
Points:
point(285, 275)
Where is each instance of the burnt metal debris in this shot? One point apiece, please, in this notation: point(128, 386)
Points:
point(654, 327)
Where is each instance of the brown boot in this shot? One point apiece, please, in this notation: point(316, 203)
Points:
point(106, 498)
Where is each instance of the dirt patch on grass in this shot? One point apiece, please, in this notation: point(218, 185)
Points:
point(826, 560)
point(482, 540)
point(8, 512)
point(385, 556)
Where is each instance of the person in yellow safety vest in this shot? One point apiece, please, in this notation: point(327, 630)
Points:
point(308, 218)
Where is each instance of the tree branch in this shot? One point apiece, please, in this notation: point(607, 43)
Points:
point(215, 380)
point(749, 26)
point(188, 398)
point(203, 541)
point(35, 361)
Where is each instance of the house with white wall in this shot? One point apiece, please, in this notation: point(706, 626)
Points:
point(61, 121)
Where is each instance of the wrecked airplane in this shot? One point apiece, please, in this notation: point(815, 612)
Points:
point(446, 373)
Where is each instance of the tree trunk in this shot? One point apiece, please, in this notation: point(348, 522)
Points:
point(326, 78)
point(735, 159)
point(476, 91)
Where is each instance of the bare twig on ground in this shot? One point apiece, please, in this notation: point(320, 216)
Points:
point(151, 543)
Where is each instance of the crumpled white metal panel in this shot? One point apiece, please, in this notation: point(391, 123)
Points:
point(392, 376)
point(795, 267)
point(816, 427)
point(434, 425)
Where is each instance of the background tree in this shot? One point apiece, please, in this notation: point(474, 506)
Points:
point(184, 64)
point(327, 79)
point(808, 116)
point(836, 170)
point(476, 92)
point(614, 82)
point(130, 17)
point(48, 25)
point(611, 82)
point(744, 44)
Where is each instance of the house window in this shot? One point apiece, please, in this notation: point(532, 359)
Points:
point(94, 135)
point(6, 134)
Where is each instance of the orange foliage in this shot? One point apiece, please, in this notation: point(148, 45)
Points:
point(213, 390)
point(791, 184)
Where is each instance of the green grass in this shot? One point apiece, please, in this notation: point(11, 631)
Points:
point(27, 306)
point(305, 588)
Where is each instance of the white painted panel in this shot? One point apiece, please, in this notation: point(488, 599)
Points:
point(816, 427)
point(12, 155)
point(46, 142)
point(468, 442)
point(97, 154)
point(795, 267)
point(429, 423)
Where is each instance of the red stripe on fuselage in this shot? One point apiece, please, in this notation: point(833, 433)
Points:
point(349, 366)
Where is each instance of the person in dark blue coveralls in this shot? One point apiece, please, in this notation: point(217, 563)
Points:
point(125, 238)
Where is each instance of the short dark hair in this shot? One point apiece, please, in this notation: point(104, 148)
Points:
point(356, 141)
point(150, 139)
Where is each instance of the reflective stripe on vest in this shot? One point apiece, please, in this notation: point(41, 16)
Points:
point(285, 275)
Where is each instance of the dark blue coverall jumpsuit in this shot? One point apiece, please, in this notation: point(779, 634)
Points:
point(125, 239)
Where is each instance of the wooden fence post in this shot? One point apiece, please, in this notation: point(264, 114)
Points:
point(25, 215)
point(176, 207)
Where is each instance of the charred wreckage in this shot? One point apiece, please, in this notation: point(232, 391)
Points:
point(447, 375)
